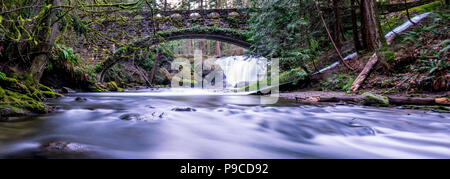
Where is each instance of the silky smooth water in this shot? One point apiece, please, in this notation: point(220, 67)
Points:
point(245, 68)
point(196, 124)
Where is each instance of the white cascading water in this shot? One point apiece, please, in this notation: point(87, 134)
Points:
point(240, 69)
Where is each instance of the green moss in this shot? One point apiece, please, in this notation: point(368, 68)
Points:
point(7, 110)
point(7, 81)
point(97, 88)
point(49, 94)
point(338, 82)
point(397, 19)
point(23, 101)
point(2, 93)
point(440, 109)
point(387, 54)
point(19, 97)
point(112, 86)
point(37, 95)
point(372, 99)
point(44, 88)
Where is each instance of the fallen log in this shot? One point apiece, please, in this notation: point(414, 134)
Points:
point(418, 101)
point(366, 71)
point(395, 100)
point(339, 99)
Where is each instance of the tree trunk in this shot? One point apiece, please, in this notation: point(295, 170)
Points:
point(407, 12)
point(190, 47)
point(155, 65)
point(165, 5)
point(330, 37)
point(366, 71)
point(337, 26)
point(46, 38)
point(371, 32)
point(202, 46)
point(418, 101)
point(356, 41)
point(218, 52)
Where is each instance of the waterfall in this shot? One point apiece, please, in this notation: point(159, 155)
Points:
point(239, 70)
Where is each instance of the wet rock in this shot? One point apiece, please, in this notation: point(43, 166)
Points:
point(158, 115)
point(80, 99)
point(149, 117)
point(372, 99)
point(67, 90)
point(130, 117)
point(184, 109)
point(63, 146)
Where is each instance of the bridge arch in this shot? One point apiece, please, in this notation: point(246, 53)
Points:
point(232, 36)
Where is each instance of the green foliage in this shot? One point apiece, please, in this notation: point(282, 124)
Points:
point(293, 76)
point(339, 82)
point(97, 88)
point(399, 18)
point(282, 29)
point(422, 63)
point(2, 76)
point(372, 99)
point(112, 86)
point(65, 53)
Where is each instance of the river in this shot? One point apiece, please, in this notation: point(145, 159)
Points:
point(168, 123)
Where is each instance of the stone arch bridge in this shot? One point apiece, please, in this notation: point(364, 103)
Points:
point(137, 30)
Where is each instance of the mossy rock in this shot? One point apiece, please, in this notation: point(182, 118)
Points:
point(37, 95)
point(97, 88)
point(7, 110)
point(14, 85)
point(49, 94)
point(44, 88)
point(18, 98)
point(438, 108)
point(8, 82)
point(372, 99)
point(2, 93)
point(21, 101)
point(112, 86)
